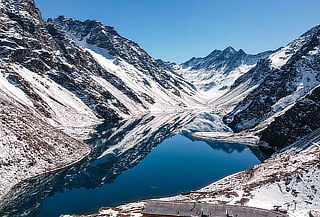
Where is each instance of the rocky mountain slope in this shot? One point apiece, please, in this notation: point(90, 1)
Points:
point(29, 146)
point(36, 73)
point(101, 74)
point(144, 82)
point(69, 75)
point(298, 122)
point(277, 81)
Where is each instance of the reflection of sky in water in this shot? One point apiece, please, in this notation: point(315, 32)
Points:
point(176, 165)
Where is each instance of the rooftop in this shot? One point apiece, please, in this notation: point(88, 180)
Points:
point(162, 208)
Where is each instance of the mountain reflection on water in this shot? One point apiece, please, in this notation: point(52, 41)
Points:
point(117, 147)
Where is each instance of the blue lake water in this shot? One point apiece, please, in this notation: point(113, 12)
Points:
point(143, 158)
point(175, 166)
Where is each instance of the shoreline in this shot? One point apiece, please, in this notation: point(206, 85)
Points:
point(7, 195)
point(272, 185)
point(228, 137)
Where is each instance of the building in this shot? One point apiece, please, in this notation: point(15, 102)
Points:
point(166, 209)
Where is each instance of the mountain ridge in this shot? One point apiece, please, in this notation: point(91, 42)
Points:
point(214, 74)
point(280, 81)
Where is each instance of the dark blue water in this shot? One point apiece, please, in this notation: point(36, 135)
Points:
point(134, 159)
point(174, 166)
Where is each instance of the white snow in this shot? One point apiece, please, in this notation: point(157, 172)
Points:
point(218, 81)
point(230, 137)
point(282, 56)
point(69, 113)
point(305, 83)
point(30, 147)
point(208, 122)
point(12, 90)
point(134, 79)
point(229, 100)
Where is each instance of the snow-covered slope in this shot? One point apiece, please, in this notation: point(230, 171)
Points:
point(278, 81)
point(151, 86)
point(214, 74)
point(81, 72)
point(51, 80)
point(31, 101)
point(295, 123)
point(61, 108)
point(30, 146)
point(34, 67)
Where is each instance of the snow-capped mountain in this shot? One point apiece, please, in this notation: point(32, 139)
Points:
point(43, 76)
point(277, 81)
point(144, 82)
point(79, 72)
point(214, 74)
point(70, 75)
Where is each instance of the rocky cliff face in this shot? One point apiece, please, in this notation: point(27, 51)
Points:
point(278, 81)
point(127, 61)
point(227, 60)
point(27, 44)
point(107, 39)
point(302, 119)
point(29, 146)
point(83, 69)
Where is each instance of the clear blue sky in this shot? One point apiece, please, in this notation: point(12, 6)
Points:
point(177, 30)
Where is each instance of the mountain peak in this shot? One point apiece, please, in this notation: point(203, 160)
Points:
point(23, 9)
point(241, 51)
point(61, 17)
point(229, 50)
point(313, 31)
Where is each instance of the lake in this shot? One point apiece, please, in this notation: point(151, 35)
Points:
point(148, 157)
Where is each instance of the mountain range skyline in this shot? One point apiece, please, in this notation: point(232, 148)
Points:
point(189, 29)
